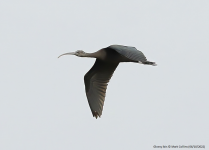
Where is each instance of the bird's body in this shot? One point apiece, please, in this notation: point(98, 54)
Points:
point(97, 78)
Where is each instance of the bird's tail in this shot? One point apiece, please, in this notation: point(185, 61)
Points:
point(149, 63)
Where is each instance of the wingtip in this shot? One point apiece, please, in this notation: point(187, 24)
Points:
point(96, 114)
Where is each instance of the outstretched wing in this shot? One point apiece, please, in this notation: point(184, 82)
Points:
point(129, 52)
point(96, 81)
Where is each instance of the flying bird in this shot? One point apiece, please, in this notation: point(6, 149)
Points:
point(97, 78)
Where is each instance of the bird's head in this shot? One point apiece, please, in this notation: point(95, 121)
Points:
point(78, 53)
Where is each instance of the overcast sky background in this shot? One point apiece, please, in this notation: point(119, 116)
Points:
point(43, 105)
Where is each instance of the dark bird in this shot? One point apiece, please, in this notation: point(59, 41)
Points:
point(107, 60)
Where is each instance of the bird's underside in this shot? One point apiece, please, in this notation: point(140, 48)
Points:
point(97, 78)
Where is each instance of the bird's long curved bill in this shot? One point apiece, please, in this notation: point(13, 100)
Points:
point(71, 53)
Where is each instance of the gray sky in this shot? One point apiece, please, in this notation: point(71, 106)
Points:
point(42, 101)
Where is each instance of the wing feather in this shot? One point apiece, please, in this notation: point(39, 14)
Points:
point(96, 81)
point(129, 52)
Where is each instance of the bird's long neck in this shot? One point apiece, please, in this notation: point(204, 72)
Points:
point(97, 54)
